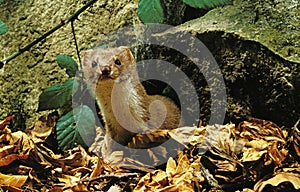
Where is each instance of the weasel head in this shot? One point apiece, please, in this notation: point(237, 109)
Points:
point(110, 64)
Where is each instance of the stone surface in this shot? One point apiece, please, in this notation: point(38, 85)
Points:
point(22, 79)
point(256, 44)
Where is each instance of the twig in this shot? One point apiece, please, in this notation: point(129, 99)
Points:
point(75, 41)
point(64, 22)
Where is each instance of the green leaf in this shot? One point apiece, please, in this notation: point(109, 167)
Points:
point(150, 11)
point(206, 4)
point(1, 1)
point(3, 28)
point(58, 95)
point(76, 127)
point(67, 62)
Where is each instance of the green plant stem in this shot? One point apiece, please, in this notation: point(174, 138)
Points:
point(64, 22)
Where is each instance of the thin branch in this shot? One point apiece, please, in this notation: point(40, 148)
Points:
point(75, 41)
point(78, 55)
point(64, 22)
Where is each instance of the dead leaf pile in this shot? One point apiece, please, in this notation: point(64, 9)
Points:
point(256, 155)
point(27, 162)
point(180, 175)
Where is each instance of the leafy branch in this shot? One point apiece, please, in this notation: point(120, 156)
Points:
point(156, 11)
point(76, 125)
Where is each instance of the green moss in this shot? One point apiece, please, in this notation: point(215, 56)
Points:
point(273, 24)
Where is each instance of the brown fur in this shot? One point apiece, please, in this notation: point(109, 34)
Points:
point(122, 99)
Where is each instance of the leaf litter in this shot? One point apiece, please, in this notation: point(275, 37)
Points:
point(255, 155)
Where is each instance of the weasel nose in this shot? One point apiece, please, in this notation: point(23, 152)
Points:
point(105, 71)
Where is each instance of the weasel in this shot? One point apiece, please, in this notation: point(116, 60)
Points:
point(125, 106)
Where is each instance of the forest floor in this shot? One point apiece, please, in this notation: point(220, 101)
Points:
point(255, 155)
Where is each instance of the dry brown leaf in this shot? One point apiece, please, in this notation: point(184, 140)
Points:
point(4, 161)
point(12, 180)
point(279, 178)
point(177, 177)
point(98, 169)
point(20, 139)
point(251, 154)
point(183, 181)
point(5, 122)
point(260, 129)
point(42, 128)
point(264, 138)
point(254, 150)
point(6, 150)
point(220, 140)
point(69, 180)
point(80, 187)
point(19, 147)
point(115, 157)
point(276, 154)
point(257, 144)
point(11, 189)
point(219, 170)
point(77, 157)
point(171, 167)
point(295, 138)
point(56, 188)
point(183, 163)
point(152, 181)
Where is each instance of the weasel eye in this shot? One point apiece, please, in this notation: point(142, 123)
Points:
point(94, 64)
point(117, 62)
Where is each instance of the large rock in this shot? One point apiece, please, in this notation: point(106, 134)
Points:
point(256, 44)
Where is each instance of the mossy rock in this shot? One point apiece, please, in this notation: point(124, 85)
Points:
point(256, 44)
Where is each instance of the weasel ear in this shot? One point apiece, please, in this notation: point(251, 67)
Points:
point(127, 52)
point(87, 55)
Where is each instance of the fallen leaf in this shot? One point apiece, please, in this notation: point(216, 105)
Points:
point(177, 177)
point(5, 150)
point(69, 180)
point(279, 178)
point(295, 138)
point(260, 129)
point(4, 161)
point(251, 154)
point(171, 167)
point(276, 154)
point(98, 169)
point(42, 128)
point(5, 122)
point(12, 180)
